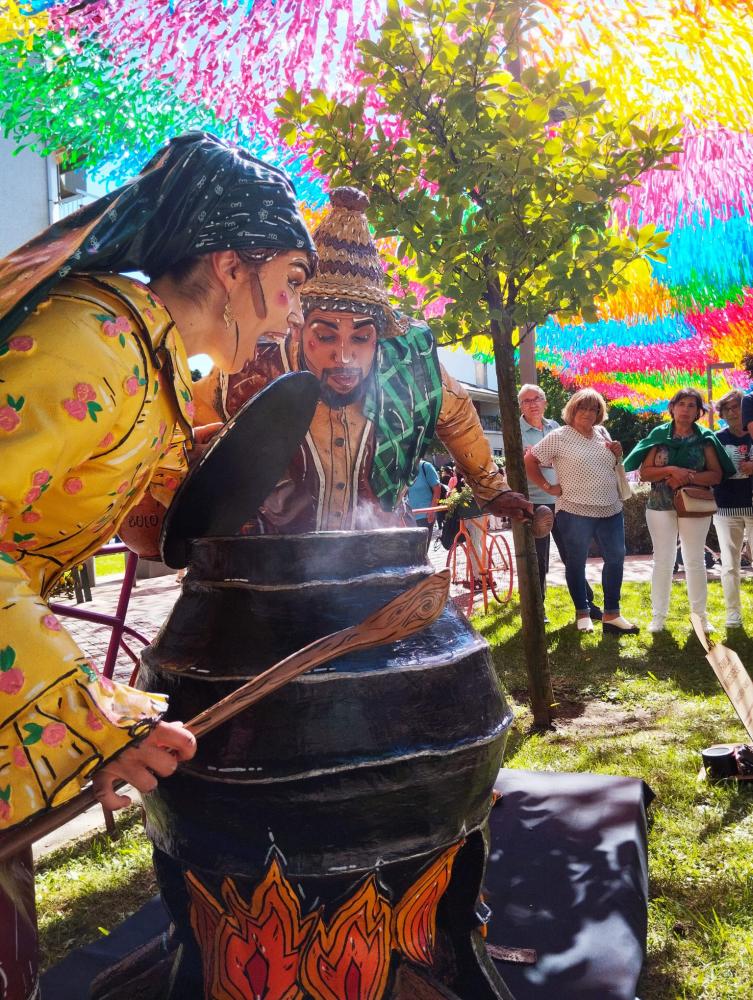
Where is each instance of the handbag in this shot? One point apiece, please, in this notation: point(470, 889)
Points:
point(623, 485)
point(695, 501)
point(449, 530)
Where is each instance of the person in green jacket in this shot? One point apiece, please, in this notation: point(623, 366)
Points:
point(679, 453)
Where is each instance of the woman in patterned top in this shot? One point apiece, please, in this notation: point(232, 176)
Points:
point(734, 498)
point(95, 414)
point(587, 504)
point(676, 454)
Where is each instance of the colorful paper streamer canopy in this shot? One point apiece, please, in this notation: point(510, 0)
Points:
point(108, 81)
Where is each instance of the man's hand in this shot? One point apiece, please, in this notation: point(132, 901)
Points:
point(140, 765)
point(513, 505)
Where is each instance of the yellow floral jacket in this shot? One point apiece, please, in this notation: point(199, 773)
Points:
point(95, 409)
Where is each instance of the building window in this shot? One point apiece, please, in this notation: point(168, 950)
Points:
point(71, 183)
point(491, 421)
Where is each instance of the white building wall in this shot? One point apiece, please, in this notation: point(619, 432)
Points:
point(462, 366)
point(24, 205)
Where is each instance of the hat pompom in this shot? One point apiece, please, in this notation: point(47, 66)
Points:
point(350, 198)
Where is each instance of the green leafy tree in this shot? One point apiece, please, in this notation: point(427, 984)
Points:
point(498, 184)
point(556, 393)
point(629, 427)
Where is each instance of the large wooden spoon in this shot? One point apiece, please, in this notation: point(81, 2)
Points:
point(406, 614)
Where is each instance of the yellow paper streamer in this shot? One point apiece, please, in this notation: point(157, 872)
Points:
point(15, 24)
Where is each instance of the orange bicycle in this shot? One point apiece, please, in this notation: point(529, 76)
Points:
point(480, 560)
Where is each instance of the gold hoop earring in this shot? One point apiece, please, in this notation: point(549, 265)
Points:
point(227, 313)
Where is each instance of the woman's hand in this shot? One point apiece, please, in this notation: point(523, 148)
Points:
point(677, 476)
point(746, 468)
point(202, 437)
point(158, 755)
point(554, 489)
point(616, 448)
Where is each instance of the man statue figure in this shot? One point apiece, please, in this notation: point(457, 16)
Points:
point(384, 396)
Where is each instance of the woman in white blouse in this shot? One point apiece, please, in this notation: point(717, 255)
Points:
point(588, 504)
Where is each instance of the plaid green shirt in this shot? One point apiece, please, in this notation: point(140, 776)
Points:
point(403, 403)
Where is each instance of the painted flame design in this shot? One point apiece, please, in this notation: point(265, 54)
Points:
point(415, 916)
point(251, 951)
point(349, 958)
point(265, 949)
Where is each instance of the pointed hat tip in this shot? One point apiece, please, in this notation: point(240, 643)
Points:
point(350, 198)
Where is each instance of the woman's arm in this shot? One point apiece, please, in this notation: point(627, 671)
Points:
point(534, 475)
point(59, 719)
point(712, 474)
point(673, 475)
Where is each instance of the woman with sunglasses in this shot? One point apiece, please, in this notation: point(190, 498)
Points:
point(588, 504)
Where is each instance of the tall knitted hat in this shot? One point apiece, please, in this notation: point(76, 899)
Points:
point(350, 276)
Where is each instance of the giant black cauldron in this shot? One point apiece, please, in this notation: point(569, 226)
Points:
point(375, 765)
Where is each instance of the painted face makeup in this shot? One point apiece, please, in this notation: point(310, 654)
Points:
point(266, 302)
point(339, 348)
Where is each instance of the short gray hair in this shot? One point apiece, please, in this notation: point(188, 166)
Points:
point(528, 388)
point(734, 395)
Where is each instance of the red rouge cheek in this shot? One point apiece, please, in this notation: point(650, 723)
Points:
point(282, 299)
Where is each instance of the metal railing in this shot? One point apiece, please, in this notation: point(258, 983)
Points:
point(67, 206)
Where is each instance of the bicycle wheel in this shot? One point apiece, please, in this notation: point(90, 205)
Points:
point(459, 566)
point(500, 573)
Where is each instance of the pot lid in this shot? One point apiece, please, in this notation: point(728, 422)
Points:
point(241, 466)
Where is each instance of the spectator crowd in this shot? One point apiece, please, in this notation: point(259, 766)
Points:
point(697, 478)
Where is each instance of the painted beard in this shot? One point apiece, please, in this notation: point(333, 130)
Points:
point(336, 399)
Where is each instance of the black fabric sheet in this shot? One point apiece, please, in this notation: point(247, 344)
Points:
point(71, 978)
point(567, 876)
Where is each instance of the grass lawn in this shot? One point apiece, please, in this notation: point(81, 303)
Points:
point(110, 565)
point(645, 706)
point(639, 705)
point(86, 890)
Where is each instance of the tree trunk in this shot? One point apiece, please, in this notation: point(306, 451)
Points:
point(531, 602)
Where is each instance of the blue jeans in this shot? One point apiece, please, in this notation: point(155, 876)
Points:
point(578, 533)
point(542, 556)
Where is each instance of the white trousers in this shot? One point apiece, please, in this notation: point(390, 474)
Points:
point(664, 526)
point(731, 534)
point(476, 554)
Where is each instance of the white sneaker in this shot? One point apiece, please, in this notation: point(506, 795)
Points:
point(657, 625)
point(584, 625)
point(734, 621)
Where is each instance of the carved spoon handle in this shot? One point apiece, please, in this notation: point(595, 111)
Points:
point(406, 614)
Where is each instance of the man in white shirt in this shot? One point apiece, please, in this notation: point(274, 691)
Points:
point(534, 427)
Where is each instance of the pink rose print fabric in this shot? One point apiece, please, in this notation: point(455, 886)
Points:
point(81, 407)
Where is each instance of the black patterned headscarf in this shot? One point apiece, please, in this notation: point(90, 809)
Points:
point(196, 196)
